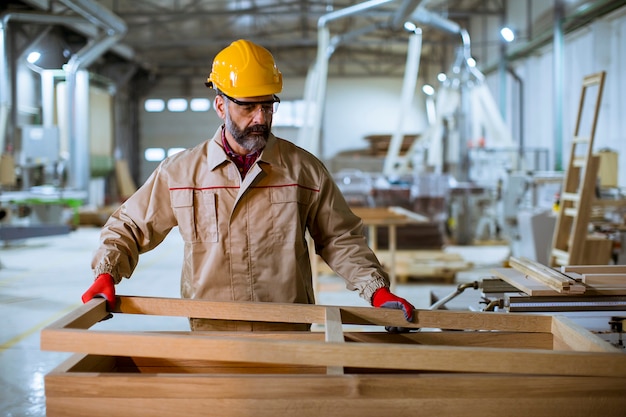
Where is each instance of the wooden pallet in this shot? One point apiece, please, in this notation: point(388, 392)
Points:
point(524, 364)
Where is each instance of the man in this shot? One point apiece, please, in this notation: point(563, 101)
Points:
point(243, 201)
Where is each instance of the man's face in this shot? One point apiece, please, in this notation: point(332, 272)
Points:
point(249, 125)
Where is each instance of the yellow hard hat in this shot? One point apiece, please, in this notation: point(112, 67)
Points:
point(245, 69)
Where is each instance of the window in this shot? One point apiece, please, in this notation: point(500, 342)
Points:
point(289, 114)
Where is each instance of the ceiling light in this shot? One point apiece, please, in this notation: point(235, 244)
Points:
point(428, 89)
point(33, 57)
point(507, 34)
point(409, 26)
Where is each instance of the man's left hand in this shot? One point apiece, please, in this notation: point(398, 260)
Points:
point(383, 298)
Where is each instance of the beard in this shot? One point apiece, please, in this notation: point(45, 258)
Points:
point(252, 139)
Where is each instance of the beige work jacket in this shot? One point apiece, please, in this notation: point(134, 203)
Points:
point(244, 240)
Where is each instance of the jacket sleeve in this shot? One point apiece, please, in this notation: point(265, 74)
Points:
point(339, 240)
point(137, 226)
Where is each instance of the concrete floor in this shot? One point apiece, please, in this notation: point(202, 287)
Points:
point(42, 279)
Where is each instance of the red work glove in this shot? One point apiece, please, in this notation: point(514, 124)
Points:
point(103, 287)
point(383, 298)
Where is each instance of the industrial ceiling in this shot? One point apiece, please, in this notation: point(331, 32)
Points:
point(179, 38)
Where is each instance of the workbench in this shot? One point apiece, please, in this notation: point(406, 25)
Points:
point(460, 363)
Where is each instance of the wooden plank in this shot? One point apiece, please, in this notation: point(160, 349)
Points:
point(345, 396)
point(519, 340)
point(524, 282)
point(84, 316)
point(418, 218)
point(380, 386)
point(334, 334)
point(548, 276)
point(613, 280)
point(532, 287)
point(569, 335)
point(303, 313)
point(594, 269)
point(382, 216)
point(358, 355)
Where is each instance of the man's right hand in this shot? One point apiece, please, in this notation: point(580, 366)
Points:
point(104, 287)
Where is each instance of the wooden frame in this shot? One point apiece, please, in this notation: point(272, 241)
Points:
point(482, 361)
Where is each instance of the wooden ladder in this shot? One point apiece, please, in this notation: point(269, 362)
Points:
point(570, 240)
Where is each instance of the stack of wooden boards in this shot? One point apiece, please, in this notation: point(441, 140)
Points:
point(536, 279)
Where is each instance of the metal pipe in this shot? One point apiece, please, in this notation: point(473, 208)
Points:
point(408, 92)
point(93, 12)
point(6, 86)
point(492, 305)
point(557, 74)
point(78, 84)
point(426, 17)
point(403, 12)
point(459, 289)
point(98, 15)
point(521, 142)
point(316, 95)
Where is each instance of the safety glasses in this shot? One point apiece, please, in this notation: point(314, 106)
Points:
point(248, 108)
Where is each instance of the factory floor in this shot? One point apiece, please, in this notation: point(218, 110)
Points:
point(42, 279)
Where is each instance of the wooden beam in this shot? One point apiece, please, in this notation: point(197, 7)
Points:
point(594, 269)
point(334, 334)
point(345, 396)
point(612, 280)
point(304, 313)
point(358, 355)
point(569, 335)
point(524, 283)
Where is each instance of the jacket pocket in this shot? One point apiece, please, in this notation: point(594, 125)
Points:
point(196, 214)
point(289, 205)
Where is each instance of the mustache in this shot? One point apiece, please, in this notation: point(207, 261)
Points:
point(257, 129)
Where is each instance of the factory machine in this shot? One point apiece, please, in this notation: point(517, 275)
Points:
point(34, 199)
point(592, 296)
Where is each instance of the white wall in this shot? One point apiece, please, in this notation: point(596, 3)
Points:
point(354, 109)
point(598, 47)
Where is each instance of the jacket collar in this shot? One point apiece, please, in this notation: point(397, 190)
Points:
point(216, 155)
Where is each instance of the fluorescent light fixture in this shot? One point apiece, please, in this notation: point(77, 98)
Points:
point(428, 89)
point(33, 57)
point(174, 151)
point(154, 154)
point(507, 34)
point(154, 105)
point(199, 104)
point(177, 104)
